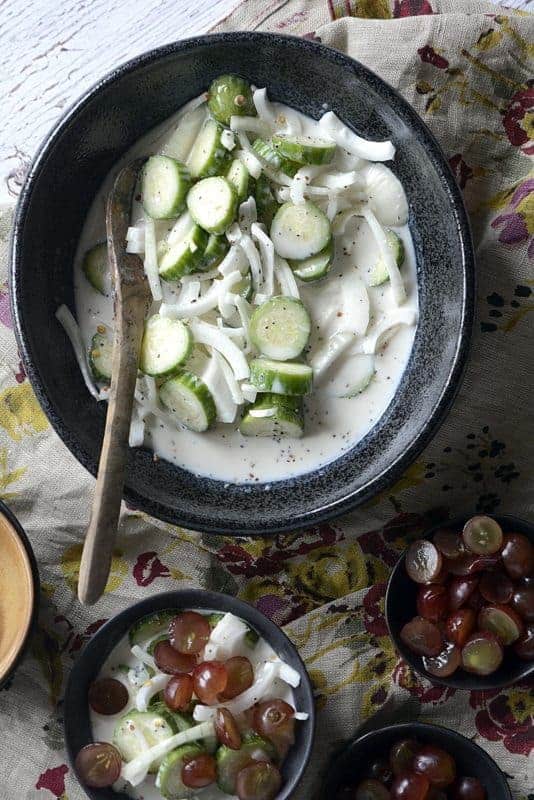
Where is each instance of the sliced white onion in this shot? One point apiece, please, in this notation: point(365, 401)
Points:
point(71, 328)
point(135, 240)
point(267, 257)
point(251, 162)
point(234, 259)
point(254, 260)
point(151, 259)
point(286, 279)
point(228, 633)
point(395, 277)
point(398, 318)
point(136, 435)
point(249, 392)
point(386, 195)
point(248, 213)
point(289, 675)
point(233, 386)
point(301, 716)
point(215, 380)
point(149, 689)
point(346, 138)
point(250, 125)
point(228, 139)
point(264, 107)
point(298, 185)
point(201, 305)
point(189, 292)
point(323, 359)
point(210, 335)
point(144, 657)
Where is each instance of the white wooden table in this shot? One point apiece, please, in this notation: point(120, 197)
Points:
point(51, 51)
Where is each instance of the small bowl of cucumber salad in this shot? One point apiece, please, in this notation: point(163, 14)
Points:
point(311, 296)
point(189, 694)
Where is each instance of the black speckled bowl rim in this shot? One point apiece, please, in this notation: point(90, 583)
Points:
point(426, 732)
point(460, 679)
point(6, 512)
point(76, 711)
point(287, 520)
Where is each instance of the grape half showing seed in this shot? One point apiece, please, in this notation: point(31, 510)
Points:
point(423, 561)
point(482, 535)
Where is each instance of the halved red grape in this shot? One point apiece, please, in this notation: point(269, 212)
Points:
point(402, 754)
point(226, 729)
point(460, 625)
point(470, 564)
point(209, 680)
point(436, 765)
point(171, 661)
point(482, 535)
point(460, 590)
point(380, 770)
point(178, 692)
point(423, 561)
point(445, 663)
point(189, 632)
point(371, 789)
point(482, 654)
point(107, 696)
point(240, 677)
point(524, 647)
point(523, 601)
point(275, 719)
point(518, 556)
point(422, 637)
point(476, 601)
point(199, 771)
point(410, 786)
point(496, 587)
point(467, 788)
point(98, 764)
point(448, 543)
point(432, 601)
point(502, 621)
point(258, 781)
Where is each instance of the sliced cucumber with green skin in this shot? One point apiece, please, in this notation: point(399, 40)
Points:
point(379, 274)
point(212, 202)
point(230, 762)
point(214, 619)
point(95, 266)
point(166, 344)
point(304, 149)
point(273, 415)
point(215, 251)
point(152, 625)
point(229, 96)
point(189, 401)
point(100, 356)
point(300, 231)
point(315, 267)
point(184, 256)
point(251, 636)
point(280, 328)
point(164, 186)
point(182, 722)
point(269, 153)
point(238, 176)
point(281, 377)
point(169, 777)
point(266, 203)
point(135, 726)
point(208, 156)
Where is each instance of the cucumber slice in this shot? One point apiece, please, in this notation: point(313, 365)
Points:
point(181, 140)
point(100, 355)
point(95, 266)
point(151, 625)
point(304, 149)
point(229, 96)
point(300, 231)
point(281, 377)
point(271, 155)
point(280, 328)
point(215, 251)
point(230, 762)
point(198, 360)
point(184, 255)
point(166, 344)
point(272, 415)
point(182, 722)
point(164, 185)
point(238, 177)
point(169, 777)
point(266, 203)
point(208, 156)
point(212, 202)
point(349, 376)
point(189, 401)
point(214, 619)
point(136, 726)
point(379, 274)
point(315, 267)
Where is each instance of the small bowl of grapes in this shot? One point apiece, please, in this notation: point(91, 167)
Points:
point(460, 603)
point(414, 761)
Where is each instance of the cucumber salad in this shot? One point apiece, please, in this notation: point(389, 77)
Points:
point(191, 704)
point(283, 280)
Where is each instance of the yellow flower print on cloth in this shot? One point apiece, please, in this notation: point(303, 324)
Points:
point(70, 567)
point(20, 413)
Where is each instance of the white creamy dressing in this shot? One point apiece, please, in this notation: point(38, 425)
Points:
point(102, 727)
point(333, 425)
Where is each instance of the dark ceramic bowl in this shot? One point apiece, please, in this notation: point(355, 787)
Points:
point(76, 710)
point(401, 598)
point(350, 764)
point(65, 177)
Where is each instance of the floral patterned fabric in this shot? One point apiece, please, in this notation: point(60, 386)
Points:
point(467, 69)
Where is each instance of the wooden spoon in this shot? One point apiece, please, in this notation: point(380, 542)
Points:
point(131, 301)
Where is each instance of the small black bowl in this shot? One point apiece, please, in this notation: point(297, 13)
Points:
point(401, 597)
point(76, 710)
point(471, 760)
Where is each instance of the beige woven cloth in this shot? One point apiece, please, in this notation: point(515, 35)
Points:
point(468, 72)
